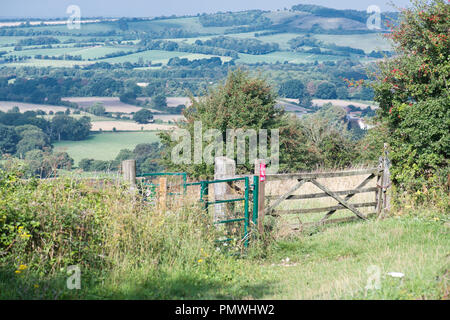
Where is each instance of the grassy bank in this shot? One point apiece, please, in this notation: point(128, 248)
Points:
point(127, 249)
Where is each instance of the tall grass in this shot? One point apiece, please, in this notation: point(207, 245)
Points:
point(127, 248)
point(106, 230)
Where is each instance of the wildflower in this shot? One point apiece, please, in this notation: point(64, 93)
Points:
point(17, 271)
point(22, 267)
point(200, 260)
point(36, 286)
point(25, 235)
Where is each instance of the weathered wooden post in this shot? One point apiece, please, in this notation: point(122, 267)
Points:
point(162, 193)
point(383, 183)
point(386, 181)
point(379, 192)
point(224, 168)
point(259, 165)
point(129, 172)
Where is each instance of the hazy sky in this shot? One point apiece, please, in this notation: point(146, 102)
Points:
point(149, 8)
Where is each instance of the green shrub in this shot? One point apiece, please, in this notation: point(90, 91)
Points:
point(48, 225)
point(414, 96)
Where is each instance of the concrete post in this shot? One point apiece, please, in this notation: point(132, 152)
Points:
point(224, 168)
point(129, 172)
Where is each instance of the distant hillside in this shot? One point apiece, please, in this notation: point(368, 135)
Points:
point(311, 18)
point(356, 15)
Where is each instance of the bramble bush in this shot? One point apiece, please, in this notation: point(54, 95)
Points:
point(412, 89)
point(47, 225)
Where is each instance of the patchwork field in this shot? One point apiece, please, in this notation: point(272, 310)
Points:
point(160, 56)
point(23, 106)
point(43, 63)
point(344, 103)
point(171, 101)
point(284, 56)
point(105, 146)
point(129, 126)
point(111, 104)
point(366, 42)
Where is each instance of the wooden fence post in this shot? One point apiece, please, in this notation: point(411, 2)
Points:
point(163, 193)
point(383, 183)
point(386, 181)
point(261, 194)
point(129, 172)
point(379, 192)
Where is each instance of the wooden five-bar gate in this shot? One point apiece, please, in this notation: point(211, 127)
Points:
point(342, 197)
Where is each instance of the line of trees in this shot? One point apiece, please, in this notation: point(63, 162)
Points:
point(249, 46)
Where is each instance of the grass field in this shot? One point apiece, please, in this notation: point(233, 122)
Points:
point(111, 104)
point(282, 56)
point(105, 146)
point(344, 103)
point(333, 263)
point(49, 63)
point(130, 125)
point(366, 42)
point(160, 56)
point(24, 106)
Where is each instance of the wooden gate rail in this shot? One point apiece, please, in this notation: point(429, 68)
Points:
point(336, 195)
point(318, 175)
point(323, 195)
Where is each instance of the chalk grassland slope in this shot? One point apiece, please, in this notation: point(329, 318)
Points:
point(304, 20)
point(366, 42)
point(105, 146)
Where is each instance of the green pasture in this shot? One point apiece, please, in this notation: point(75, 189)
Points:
point(160, 56)
point(282, 56)
point(366, 42)
point(48, 63)
point(85, 28)
point(8, 40)
point(105, 146)
point(91, 52)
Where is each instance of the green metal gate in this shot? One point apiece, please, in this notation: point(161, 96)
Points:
point(204, 192)
point(206, 203)
point(152, 186)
